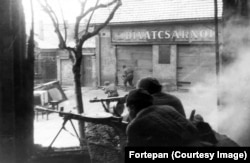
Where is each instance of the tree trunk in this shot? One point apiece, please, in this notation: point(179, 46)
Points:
point(77, 80)
point(78, 91)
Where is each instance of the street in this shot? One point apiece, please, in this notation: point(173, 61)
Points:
point(203, 101)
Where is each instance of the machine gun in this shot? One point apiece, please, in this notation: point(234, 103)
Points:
point(107, 119)
point(84, 117)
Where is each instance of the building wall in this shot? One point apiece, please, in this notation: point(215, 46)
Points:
point(45, 66)
point(165, 73)
point(107, 57)
point(64, 68)
point(136, 57)
point(88, 70)
point(172, 35)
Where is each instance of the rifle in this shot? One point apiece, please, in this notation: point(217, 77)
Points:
point(111, 99)
point(106, 101)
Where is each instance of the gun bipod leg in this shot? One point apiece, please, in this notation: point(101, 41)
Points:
point(63, 127)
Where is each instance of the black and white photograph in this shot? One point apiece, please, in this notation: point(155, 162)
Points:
point(85, 81)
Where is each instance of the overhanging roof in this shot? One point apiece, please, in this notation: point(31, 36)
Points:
point(139, 11)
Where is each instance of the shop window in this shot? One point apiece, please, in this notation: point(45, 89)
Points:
point(164, 54)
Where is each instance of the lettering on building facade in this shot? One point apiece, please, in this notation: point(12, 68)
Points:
point(154, 34)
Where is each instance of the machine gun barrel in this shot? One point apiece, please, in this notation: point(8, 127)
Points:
point(86, 118)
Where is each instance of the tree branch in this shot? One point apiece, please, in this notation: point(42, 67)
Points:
point(83, 4)
point(47, 8)
point(83, 14)
point(97, 30)
point(87, 26)
point(77, 23)
point(72, 55)
point(64, 23)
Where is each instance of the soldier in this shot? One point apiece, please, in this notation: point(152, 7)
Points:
point(128, 76)
point(153, 86)
point(153, 125)
point(110, 89)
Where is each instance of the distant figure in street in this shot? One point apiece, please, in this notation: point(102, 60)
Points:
point(154, 125)
point(110, 89)
point(128, 76)
point(154, 88)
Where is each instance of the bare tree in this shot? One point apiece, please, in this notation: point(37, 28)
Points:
point(76, 51)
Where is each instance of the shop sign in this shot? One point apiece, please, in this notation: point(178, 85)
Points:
point(161, 34)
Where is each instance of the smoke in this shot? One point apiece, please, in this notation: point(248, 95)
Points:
point(234, 88)
point(232, 116)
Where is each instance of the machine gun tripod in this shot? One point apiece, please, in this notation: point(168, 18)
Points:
point(66, 118)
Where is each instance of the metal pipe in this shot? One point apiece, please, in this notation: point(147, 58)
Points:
point(99, 59)
point(217, 53)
